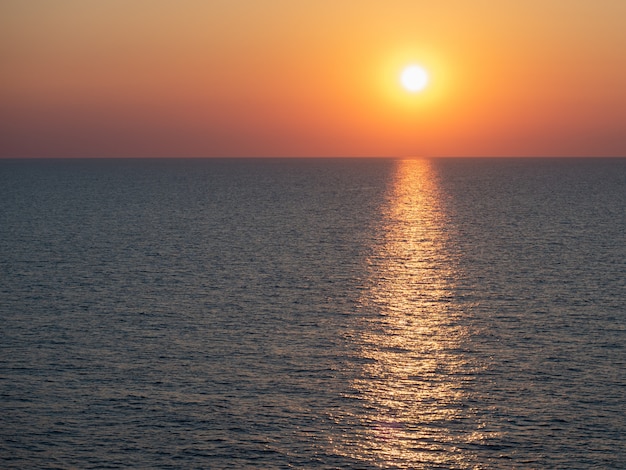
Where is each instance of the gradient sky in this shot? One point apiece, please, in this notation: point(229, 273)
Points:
point(195, 78)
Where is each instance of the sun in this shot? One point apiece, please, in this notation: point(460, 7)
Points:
point(414, 78)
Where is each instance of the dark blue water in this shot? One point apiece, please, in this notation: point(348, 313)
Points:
point(313, 313)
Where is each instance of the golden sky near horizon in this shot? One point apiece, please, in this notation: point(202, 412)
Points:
point(126, 78)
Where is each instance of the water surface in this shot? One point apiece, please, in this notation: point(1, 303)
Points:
point(313, 313)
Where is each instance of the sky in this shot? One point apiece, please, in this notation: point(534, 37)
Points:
point(280, 78)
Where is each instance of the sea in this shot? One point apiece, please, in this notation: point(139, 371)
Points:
point(313, 313)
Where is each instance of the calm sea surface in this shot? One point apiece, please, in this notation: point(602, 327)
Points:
point(276, 314)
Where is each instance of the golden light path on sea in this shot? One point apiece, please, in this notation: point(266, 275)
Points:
point(414, 376)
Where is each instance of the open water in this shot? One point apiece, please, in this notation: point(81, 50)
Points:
point(276, 314)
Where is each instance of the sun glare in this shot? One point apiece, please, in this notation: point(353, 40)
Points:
point(414, 78)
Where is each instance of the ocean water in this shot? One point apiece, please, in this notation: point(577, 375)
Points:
point(313, 313)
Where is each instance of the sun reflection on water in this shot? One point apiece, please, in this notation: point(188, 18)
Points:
point(414, 373)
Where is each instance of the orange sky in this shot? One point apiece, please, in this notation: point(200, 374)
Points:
point(193, 78)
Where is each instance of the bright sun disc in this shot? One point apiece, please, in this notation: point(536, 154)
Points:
point(414, 78)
